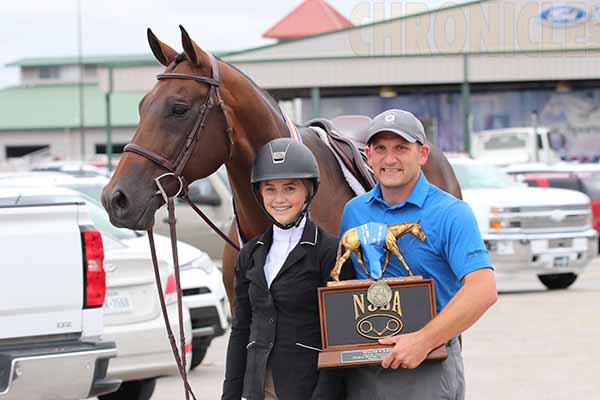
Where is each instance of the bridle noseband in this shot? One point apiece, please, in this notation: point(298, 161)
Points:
point(176, 167)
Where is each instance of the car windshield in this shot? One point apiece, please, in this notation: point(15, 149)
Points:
point(505, 142)
point(92, 190)
point(482, 176)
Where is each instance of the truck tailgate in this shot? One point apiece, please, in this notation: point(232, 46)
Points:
point(42, 281)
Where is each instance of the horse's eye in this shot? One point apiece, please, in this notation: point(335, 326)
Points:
point(179, 109)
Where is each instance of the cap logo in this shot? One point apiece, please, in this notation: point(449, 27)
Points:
point(389, 119)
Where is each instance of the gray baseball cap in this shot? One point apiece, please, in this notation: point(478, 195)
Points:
point(399, 122)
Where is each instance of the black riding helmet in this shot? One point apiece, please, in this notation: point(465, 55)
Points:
point(285, 159)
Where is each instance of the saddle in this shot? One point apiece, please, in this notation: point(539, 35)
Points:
point(347, 137)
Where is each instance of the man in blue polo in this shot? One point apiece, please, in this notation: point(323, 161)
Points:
point(453, 255)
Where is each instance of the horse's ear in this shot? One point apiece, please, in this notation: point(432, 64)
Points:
point(163, 53)
point(192, 50)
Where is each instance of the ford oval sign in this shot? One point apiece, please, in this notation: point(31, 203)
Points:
point(563, 15)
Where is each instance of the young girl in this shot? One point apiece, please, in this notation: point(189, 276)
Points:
point(275, 337)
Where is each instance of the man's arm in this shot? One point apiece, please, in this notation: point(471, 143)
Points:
point(476, 296)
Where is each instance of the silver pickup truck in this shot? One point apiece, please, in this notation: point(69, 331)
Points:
point(52, 287)
point(529, 231)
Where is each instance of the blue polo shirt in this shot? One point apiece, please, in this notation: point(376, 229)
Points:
point(453, 247)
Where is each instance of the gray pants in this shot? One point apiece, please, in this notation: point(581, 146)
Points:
point(432, 380)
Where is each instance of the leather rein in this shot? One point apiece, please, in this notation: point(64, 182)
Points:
point(175, 169)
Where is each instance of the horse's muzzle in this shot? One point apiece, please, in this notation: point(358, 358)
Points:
point(123, 211)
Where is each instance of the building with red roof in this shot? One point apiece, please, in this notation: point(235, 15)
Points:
point(309, 18)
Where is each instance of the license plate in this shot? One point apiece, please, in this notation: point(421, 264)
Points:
point(562, 261)
point(117, 303)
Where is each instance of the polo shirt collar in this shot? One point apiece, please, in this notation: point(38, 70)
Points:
point(416, 197)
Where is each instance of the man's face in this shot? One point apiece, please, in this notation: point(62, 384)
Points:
point(395, 161)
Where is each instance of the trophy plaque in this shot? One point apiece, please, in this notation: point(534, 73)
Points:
point(355, 314)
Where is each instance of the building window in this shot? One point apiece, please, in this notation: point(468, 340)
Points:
point(49, 72)
point(117, 148)
point(20, 151)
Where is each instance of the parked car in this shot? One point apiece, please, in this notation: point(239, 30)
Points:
point(522, 144)
point(213, 196)
point(132, 313)
point(131, 309)
point(581, 180)
point(202, 283)
point(546, 232)
point(203, 293)
point(53, 286)
point(75, 168)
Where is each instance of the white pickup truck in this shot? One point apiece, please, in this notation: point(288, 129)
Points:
point(52, 287)
point(526, 144)
point(530, 231)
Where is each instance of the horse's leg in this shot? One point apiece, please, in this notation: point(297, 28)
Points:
point(396, 251)
point(359, 258)
point(385, 263)
point(337, 269)
point(229, 256)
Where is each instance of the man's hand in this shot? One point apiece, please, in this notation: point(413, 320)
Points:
point(409, 351)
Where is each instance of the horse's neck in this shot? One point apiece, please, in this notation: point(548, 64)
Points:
point(256, 123)
point(402, 228)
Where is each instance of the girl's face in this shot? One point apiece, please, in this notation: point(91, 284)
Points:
point(283, 198)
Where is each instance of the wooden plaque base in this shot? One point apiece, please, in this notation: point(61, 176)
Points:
point(351, 326)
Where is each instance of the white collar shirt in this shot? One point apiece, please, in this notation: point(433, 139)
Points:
point(284, 241)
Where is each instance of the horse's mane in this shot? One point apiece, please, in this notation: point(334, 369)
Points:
point(266, 95)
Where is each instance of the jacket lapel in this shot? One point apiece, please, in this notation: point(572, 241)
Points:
point(259, 256)
point(309, 238)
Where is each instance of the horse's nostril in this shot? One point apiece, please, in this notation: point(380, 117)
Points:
point(119, 200)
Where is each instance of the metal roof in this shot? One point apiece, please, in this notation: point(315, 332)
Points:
point(115, 60)
point(57, 107)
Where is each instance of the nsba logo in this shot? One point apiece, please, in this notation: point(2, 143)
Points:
point(563, 15)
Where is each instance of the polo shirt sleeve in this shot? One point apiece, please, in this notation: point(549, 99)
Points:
point(462, 241)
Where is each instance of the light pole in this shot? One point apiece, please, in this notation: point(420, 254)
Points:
point(108, 120)
point(80, 85)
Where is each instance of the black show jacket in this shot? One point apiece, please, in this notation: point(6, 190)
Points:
point(278, 327)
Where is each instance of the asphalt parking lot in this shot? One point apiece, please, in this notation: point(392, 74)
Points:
point(533, 344)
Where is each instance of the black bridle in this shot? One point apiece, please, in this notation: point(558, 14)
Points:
point(175, 170)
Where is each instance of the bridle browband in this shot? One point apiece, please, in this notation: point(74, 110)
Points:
point(214, 96)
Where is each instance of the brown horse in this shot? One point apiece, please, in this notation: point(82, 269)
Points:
point(172, 109)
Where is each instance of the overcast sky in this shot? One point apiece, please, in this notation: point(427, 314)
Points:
point(43, 28)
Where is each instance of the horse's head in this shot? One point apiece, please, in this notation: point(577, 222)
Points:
point(418, 231)
point(183, 123)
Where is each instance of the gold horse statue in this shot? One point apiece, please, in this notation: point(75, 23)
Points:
point(351, 243)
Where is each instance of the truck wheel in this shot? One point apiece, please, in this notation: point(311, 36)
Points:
point(132, 390)
point(558, 281)
point(199, 349)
